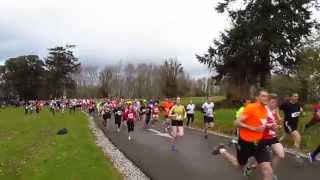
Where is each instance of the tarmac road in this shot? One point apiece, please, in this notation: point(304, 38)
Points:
point(150, 151)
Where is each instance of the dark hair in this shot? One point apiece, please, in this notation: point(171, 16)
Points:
point(261, 90)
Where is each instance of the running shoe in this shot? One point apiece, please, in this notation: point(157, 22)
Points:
point(118, 130)
point(129, 138)
point(298, 158)
point(275, 177)
point(216, 151)
point(311, 158)
point(173, 148)
point(247, 172)
point(206, 136)
point(233, 142)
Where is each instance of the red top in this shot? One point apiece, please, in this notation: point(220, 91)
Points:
point(316, 109)
point(269, 132)
point(130, 115)
point(155, 110)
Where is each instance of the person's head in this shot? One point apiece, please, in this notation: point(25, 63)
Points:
point(263, 97)
point(190, 101)
point(245, 101)
point(210, 99)
point(294, 98)
point(273, 101)
point(178, 101)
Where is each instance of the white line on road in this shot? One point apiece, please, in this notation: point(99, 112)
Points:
point(158, 133)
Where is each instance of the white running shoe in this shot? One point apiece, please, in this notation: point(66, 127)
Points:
point(129, 138)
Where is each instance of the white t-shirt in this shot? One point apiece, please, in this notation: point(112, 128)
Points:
point(208, 109)
point(190, 108)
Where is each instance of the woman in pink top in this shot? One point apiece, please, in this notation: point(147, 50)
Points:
point(270, 136)
point(130, 116)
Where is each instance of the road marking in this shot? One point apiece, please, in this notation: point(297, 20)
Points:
point(158, 133)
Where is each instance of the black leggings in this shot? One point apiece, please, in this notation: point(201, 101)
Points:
point(130, 125)
point(148, 119)
point(190, 119)
point(316, 152)
point(117, 121)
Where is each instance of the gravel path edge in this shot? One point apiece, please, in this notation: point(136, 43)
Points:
point(127, 168)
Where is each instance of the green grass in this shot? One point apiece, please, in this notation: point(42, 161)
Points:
point(224, 119)
point(30, 148)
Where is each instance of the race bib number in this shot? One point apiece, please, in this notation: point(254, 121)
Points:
point(119, 113)
point(296, 114)
point(130, 116)
point(156, 110)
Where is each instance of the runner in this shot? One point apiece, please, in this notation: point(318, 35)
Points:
point(26, 108)
point(292, 111)
point(148, 115)
point(136, 107)
point(38, 107)
point(245, 102)
point(166, 106)
point(316, 116)
point(177, 113)
point(251, 126)
point(106, 114)
point(270, 138)
point(72, 106)
point(131, 116)
point(155, 113)
point(312, 155)
point(118, 111)
point(190, 113)
point(53, 107)
point(142, 112)
point(208, 109)
point(31, 107)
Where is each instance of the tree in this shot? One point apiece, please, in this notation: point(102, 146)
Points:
point(265, 34)
point(169, 72)
point(61, 64)
point(24, 76)
point(308, 73)
point(105, 77)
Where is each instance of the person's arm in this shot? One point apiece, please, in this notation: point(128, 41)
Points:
point(185, 113)
point(170, 112)
point(278, 117)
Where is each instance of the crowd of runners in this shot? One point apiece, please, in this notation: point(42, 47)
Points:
point(257, 123)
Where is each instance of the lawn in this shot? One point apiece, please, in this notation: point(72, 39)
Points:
point(225, 117)
point(30, 148)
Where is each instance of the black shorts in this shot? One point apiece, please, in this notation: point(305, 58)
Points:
point(176, 123)
point(208, 119)
point(245, 150)
point(106, 116)
point(117, 119)
point(290, 126)
point(269, 142)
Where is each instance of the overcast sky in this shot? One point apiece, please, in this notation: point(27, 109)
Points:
point(106, 31)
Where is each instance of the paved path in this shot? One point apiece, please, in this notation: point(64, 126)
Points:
point(150, 150)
